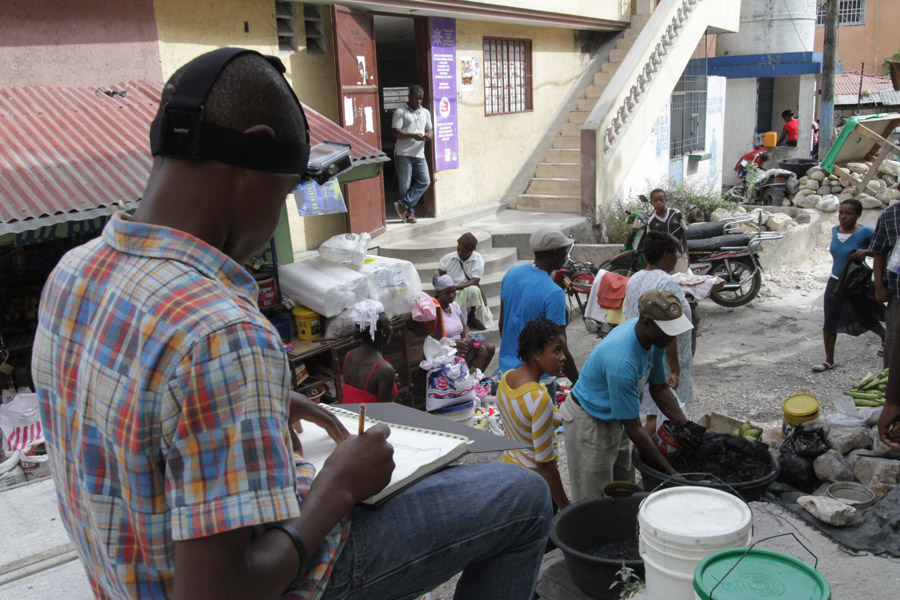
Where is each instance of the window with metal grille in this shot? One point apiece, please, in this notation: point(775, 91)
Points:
point(286, 23)
point(507, 76)
point(850, 12)
point(688, 112)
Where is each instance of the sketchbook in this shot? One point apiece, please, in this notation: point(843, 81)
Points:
point(417, 452)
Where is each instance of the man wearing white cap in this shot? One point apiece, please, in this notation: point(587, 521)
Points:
point(528, 292)
point(603, 411)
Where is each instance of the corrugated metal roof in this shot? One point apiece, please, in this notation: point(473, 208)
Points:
point(78, 153)
point(848, 84)
point(322, 128)
point(69, 150)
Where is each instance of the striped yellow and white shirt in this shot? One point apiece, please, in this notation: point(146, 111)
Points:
point(529, 415)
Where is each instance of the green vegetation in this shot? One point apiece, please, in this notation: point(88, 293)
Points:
point(631, 583)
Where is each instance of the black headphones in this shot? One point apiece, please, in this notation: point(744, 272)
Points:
point(180, 131)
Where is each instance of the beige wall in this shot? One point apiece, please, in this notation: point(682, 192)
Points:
point(616, 10)
point(871, 43)
point(188, 29)
point(492, 149)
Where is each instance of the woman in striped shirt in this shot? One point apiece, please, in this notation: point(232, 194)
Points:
point(529, 413)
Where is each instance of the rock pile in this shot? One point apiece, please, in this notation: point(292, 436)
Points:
point(824, 192)
point(771, 221)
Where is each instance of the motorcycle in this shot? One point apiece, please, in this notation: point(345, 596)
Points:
point(576, 279)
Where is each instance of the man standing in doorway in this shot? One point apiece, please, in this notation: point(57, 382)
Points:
point(412, 127)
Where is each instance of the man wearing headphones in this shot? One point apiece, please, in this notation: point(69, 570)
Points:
point(166, 401)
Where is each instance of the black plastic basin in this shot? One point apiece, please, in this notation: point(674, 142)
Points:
point(653, 479)
point(591, 523)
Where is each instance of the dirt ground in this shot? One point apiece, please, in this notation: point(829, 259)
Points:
point(748, 361)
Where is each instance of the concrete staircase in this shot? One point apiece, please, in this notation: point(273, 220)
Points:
point(556, 185)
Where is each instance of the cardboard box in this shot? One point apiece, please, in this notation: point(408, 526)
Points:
point(720, 423)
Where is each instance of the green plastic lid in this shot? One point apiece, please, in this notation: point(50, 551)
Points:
point(762, 574)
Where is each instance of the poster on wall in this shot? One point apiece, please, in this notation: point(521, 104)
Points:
point(468, 73)
point(443, 85)
point(313, 199)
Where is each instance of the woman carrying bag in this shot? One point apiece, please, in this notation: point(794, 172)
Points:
point(849, 306)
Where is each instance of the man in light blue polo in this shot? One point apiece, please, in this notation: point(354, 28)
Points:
point(603, 411)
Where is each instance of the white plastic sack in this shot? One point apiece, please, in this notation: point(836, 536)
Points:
point(322, 286)
point(393, 282)
point(346, 247)
point(20, 422)
point(436, 354)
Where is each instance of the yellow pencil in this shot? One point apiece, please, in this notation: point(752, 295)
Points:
point(362, 419)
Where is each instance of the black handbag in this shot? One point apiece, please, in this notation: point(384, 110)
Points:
point(854, 280)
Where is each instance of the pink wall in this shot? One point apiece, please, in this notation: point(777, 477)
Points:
point(77, 42)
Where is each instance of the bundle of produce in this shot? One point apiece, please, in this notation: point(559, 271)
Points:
point(870, 389)
point(748, 432)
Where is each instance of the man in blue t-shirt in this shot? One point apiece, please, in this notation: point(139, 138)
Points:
point(528, 292)
point(603, 411)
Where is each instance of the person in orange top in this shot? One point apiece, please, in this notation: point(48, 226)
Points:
point(791, 129)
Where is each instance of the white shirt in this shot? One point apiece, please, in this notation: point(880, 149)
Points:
point(458, 269)
point(411, 121)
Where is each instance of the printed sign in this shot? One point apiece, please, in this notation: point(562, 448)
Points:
point(314, 199)
point(443, 85)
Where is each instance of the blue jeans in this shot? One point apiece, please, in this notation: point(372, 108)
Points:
point(413, 179)
point(489, 521)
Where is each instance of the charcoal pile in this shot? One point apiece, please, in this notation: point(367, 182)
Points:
point(624, 549)
point(729, 458)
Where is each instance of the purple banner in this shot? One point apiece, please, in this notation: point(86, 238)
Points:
point(443, 85)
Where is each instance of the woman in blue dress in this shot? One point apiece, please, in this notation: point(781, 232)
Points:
point(849, 241)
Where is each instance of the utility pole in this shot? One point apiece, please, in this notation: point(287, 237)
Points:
point(829, 58)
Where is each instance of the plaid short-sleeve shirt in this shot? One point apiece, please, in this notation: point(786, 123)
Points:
point(164, 398)
point(887, 230)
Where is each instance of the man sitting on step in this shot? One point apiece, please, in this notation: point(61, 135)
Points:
point(466, 267)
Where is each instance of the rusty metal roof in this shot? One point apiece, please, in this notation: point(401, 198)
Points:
point(73, 150)
point(848, 83)
point(79, 153)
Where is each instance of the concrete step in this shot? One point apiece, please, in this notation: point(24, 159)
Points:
point(638, 21)
point(617, 55)
point(579, 116)
point(549, 203)
point(586, 103)
point(601, 78)
point(625, 44)
point(610, 67)
point(567, 141)
point(571, 129)
point(564, 170)
point(632, 32)
point(555, 186)
point(490, 284)
point(513, 228)
point(431, 247)
point(594, 91)
point(563, 155)
point(495, 260)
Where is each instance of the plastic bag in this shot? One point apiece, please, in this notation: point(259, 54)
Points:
point(393, 282)
point(322, 286)
point(448, 381)
point(848, 414)
point(339, 326)
point(20, 422)
point(808, 443)
point(423, 309)
point(346, 247)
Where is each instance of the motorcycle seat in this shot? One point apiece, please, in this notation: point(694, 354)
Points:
point(699, 231)
point(718, 242)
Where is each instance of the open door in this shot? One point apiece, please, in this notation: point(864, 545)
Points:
point(357, 83)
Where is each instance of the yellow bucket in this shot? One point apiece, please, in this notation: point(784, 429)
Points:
point(308, 323)
point(798, 409)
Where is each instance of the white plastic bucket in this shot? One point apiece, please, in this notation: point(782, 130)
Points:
point(681, 526)
point(461, 413)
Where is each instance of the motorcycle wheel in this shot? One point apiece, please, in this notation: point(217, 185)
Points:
point(582, 281)
point(743, 295)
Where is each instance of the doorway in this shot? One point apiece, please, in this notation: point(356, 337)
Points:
point(403, 58)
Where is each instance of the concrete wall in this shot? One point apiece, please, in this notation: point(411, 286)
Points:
point(77, 42)
point(617, 10)
point(771, 26)
point(740, 124)
point(189, 29)
point(653, 168)
point(492, 149)
point(798, 243)
point(870, 43)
